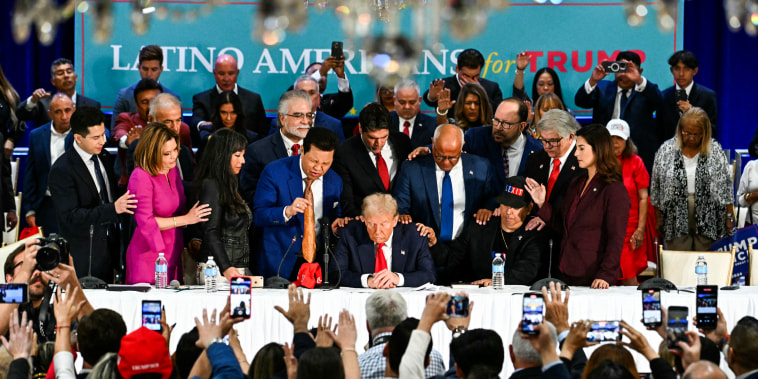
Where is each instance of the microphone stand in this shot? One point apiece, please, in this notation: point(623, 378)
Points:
point(90, 282)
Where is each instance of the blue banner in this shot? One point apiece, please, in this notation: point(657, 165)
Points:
point(741, 239)
point(571, 37)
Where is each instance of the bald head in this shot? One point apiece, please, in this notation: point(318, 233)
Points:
point(60, 111)
point(703, 370)
point(225, 72)
point(447, 145)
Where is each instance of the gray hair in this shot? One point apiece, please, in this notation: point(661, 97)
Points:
point(523, 349)
point(385, 309)
point(406, 84)
point(287, 98)
point(163, 100)
point(379, 203)
point(106, 367)
point(559, 121)
point(304, 78)
point(439, 130)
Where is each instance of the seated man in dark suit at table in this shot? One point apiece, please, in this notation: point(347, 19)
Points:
point(225, 72)
point(310, 86)
point(369, 162)
point(685, 94)
point(524, 251)
point(380, 252)
point(467, 69)
point(406, 117)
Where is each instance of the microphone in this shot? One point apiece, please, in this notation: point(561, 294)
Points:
point(550, 264)
point(325, 228)
point(545, 282)
point(90, 282)
point(277, 281)
point(174, 284)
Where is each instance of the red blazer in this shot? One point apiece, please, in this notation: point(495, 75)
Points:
point(593, 237)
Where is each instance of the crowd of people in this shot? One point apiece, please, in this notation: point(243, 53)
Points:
point(411, 199)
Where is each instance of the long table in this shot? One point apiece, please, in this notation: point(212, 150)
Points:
point(496, 310)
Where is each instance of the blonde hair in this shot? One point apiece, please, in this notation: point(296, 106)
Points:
point(696, 117)
point(551, 100)
point(149, 153)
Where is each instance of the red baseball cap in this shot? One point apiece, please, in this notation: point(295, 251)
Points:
point(144, 351)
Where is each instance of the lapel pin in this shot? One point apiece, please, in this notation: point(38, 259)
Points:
point(471, 172)
point(336, 203)
point(541, 166)
point(520, 237)
point(594, 189)
point(402, 252)
point(573, 168)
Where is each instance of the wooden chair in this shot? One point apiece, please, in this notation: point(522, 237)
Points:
point(7, 249)
point(679, 266)
point(752, 261)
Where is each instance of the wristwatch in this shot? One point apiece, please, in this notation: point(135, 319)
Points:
point(215, 340)
point(458, 331)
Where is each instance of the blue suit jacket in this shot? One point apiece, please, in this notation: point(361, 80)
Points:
point(479, 141)
point(700, 96)
point(125, 102)
point(38, 167)
point(279, 184)
point(423, 128)
point(323, 120)
point(257, 155)
point(356, 255)
point(416, 189)
point(638, 113)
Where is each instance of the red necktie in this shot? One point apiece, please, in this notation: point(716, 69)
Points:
point(295, 149)
point(406, 131)
point(381, 165)
point(381, 262)
point(553, 176)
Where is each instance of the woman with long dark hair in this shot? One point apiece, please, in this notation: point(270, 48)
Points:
point(594, 213)
point(225, 235)
point(471, 109)
point(10, 126)
point(227, 113)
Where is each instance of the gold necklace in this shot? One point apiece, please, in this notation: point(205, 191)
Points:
point(503, 236)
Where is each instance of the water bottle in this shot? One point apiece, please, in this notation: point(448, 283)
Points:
point(498, 267)
point(211, 272)
point(701, 271)
point(741, 281)
point(161, 271)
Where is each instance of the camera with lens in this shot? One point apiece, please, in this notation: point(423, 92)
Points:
point(52, 250)
point(614, 67)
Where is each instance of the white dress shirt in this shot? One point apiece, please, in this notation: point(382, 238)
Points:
point(288, 144)
point(57, 147)
point(86, 157)
point(617, 103)
point(688, 89)
point(562, 158)
point(515, 152)
point(459, 195)
point(401, 125)
point(388, 159)
point(343, 85)
point(317, 188)
point(387, 251)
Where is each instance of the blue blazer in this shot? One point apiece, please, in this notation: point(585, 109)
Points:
point(416, 189)
point(257, 155)
point(479, 142)
point(423, 128)
point(323, 120)
point(700, 96)
point(279, 184)
point(638, 113)
point(38, 168)
point(356, 254)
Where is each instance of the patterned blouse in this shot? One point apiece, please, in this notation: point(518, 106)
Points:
point(713, 191)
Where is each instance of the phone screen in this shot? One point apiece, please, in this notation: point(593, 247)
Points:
point(602, 331)
point(239, 291)
point(14, 293)
point(676, 327)
point(651, 307)
point(534, 305)
point(707, 302)
point(151, 314)
point(457, 306)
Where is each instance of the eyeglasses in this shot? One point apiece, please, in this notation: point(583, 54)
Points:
point(440, 158)
point(503, 124)
point(551, 142)
point(691, 135)
point(299, 115)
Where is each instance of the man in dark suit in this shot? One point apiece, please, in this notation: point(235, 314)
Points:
point(64, 79)
point(150, 65)
point(46, 144)
point(444, 191)
point(743, 347)
point(310, 86)
point(83, 186)
point(280, 201)
point(225, 72)
point(294, 119)
point(504, 144)
point(379, 252)
point(467, 69)
point(526, 360)
point(685, 94)
point(369, 162)
point(406, 117)
point(630, 97)
point(555, 166)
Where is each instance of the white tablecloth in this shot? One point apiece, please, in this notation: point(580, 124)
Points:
point(497, 310)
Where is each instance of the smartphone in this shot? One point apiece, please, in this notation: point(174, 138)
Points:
point(603, 331)
point(17, 293)
point(457, 306)
point(706, 304)
point(676, 326)
point(651, 308)
point(534, 305)
point(680, 95)
point(614, 67)
point(337, 49)
point(240, 297)
point(151, 314)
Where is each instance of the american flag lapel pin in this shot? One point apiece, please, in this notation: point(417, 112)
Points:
point(541, 166)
